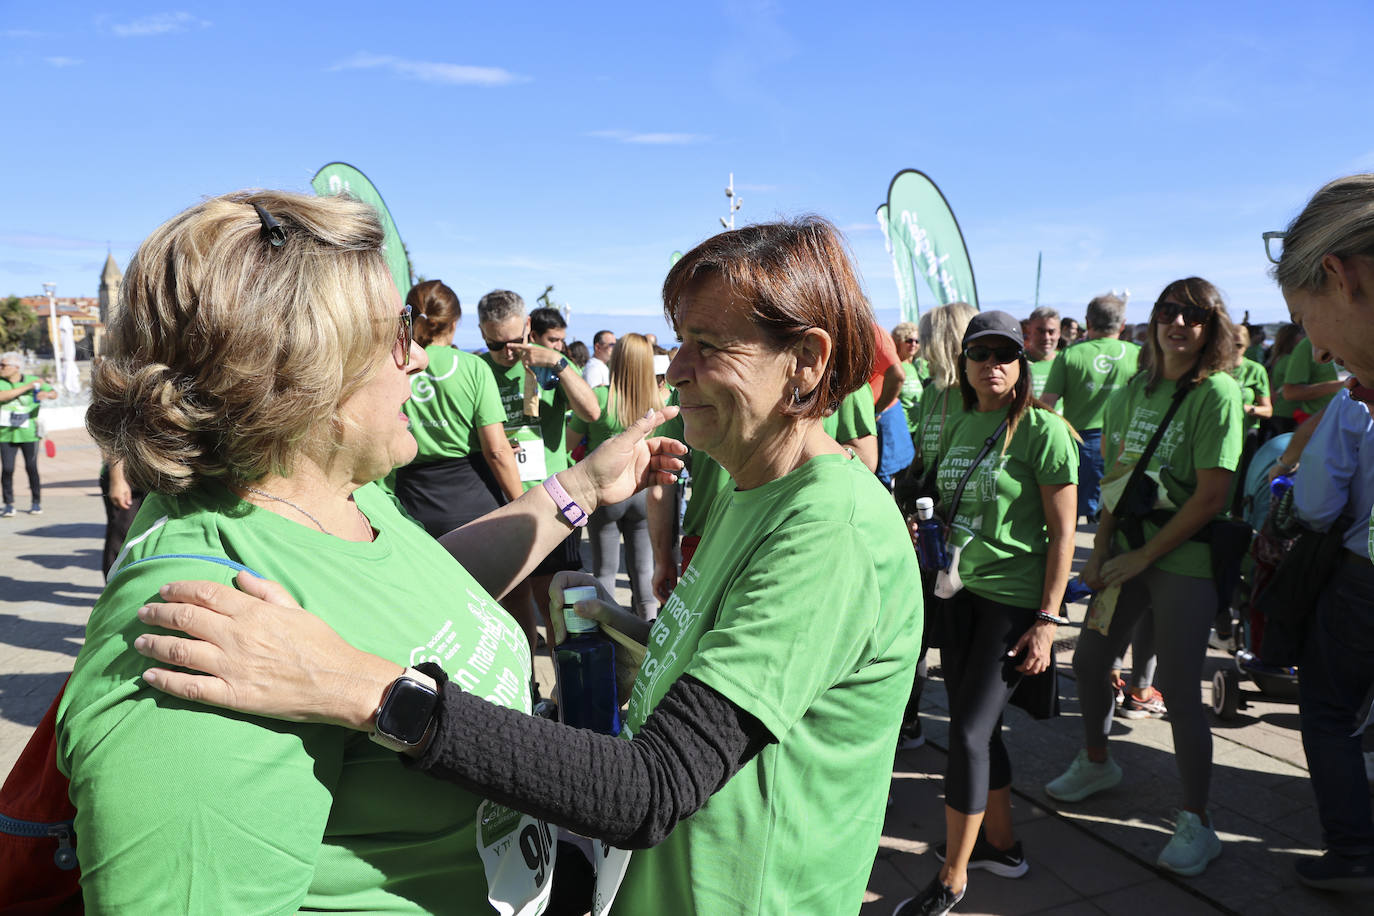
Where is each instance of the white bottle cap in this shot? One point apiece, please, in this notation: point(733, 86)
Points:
point(571, 619)
point(925, 507)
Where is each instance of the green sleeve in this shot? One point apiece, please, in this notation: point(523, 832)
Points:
point(160, 784)
point(580, 425)
point(855, 418)
point(1054, 454)
point(1054, 381)
point(487, 397)
point(1217, 436)
point(810, 592)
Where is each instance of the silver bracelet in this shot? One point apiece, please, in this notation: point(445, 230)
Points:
point(1042, 617)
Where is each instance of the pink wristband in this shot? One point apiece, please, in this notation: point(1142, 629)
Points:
point(567, 506)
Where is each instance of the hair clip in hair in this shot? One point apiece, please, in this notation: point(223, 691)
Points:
point(275, 233)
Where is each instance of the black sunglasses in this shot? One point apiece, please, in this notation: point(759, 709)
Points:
point(979, 353)
point(1193, 315)
point(908, 340)
point(496, 346)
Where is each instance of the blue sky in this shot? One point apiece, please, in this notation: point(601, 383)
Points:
point(521, 145)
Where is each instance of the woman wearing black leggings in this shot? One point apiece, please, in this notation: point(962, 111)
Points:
point(1013, 530)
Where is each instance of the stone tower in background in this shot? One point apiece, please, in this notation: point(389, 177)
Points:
point(110, 278)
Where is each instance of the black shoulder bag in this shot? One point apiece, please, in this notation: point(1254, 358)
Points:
point(1138, 498)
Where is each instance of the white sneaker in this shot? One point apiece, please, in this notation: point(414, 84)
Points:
point(1084, 778)
point(1194, 845)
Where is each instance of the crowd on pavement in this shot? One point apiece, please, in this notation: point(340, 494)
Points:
point(806, 503)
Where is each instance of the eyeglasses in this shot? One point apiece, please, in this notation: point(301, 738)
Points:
point(1269, 239)
point(1193, 315)
point(405, 335)
point(980, 354)
point(496, 346)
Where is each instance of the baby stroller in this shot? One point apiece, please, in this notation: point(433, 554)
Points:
point(1266, 551)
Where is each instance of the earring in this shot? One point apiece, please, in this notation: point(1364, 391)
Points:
point(796, 396)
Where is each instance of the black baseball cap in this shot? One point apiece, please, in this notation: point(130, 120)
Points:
point(994, 324)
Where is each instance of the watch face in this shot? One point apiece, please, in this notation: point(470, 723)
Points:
point(407, 711)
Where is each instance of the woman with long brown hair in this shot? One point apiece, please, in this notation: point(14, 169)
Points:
point(1150, 550)
point(631, 394)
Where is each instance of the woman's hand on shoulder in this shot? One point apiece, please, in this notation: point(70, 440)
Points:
point(259, 652)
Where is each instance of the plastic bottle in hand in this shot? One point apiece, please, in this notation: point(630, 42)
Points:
point(1280, 485)
point(586, 671)
point(930, 537)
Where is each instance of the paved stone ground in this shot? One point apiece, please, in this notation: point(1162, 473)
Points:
point(1094, 857)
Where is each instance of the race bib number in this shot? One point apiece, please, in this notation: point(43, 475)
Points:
point(518, 855)
point(13, 418)
point(611, 864)
point(530, 461)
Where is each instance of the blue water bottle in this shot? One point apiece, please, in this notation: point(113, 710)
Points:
point(930, 537)
point(587, 696)
point(1077, 590)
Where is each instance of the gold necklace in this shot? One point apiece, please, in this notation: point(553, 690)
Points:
point(281, 499)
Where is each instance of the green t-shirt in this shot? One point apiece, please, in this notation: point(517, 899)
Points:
point(709, 480)
point(1254, 384)
point(1303, 369)
point(1255, 353)
point(854, 418)
point(910, 396)
point(550, 427)
point(1282, 406)
point(19, 416)
point(1040, 373)
point(1088, 374)
point(1001, 517)
point(935, 414)
point(182, 807)
point(803, 607)
point(449, 402)
point(1205, 433)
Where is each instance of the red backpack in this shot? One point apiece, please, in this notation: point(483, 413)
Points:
point(38, 868)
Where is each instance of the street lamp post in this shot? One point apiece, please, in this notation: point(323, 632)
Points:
point(51, 290)
point(733, 203)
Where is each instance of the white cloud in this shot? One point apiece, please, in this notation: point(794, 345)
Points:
point(432, 71)
point(62, 61)
point(852, 228)
point(159, 24)
point(649, 139)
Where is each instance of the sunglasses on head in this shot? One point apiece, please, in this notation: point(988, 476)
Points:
point(980, 353)
point(1194, 315)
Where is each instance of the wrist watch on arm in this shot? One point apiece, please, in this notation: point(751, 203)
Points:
point(405, 717)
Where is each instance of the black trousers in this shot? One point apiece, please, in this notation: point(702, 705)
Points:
point(8, 451)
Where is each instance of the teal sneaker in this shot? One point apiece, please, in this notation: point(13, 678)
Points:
point(1084, 778)
point(1193, 846)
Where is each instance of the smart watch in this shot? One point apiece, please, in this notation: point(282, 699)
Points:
point(562, 364)
point(406, 712)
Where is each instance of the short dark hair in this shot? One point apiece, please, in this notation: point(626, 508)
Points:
point(543, 320)
point(600, 337)
point(795, 275)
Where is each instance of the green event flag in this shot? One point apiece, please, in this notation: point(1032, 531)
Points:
point(920, 218)
point(903, 270)
point(342, 178)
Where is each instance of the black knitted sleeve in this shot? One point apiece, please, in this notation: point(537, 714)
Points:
point(628, 793)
